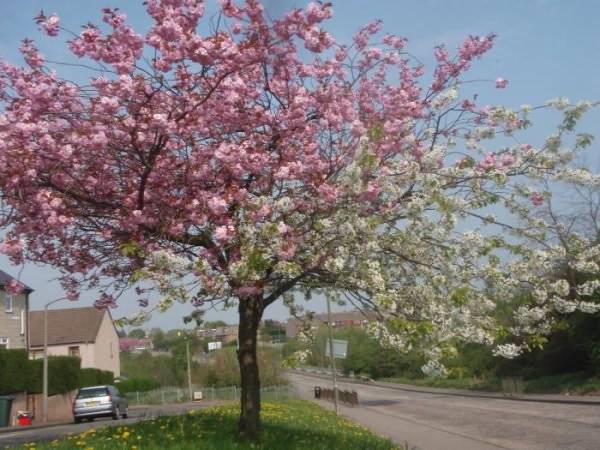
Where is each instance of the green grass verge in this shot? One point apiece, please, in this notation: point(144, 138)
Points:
point(288, 425)
point(491, 385)
point(578, 383)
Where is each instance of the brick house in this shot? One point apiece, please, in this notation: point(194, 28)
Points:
point(14, 311)
point(88, 333)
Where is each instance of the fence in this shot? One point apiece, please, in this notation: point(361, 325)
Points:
point(348, 397)
point(168, 395)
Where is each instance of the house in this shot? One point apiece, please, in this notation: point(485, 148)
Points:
point(133, 345)
point(225, 335)
point(339, 320)
point(14, 309)
point(88, 333)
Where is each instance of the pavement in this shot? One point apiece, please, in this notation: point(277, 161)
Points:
point(13, 436)
point(434, 419)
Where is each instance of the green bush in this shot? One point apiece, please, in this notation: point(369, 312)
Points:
point(15, 370)
point(94, 377)
point(63, 374)
point(138, 385)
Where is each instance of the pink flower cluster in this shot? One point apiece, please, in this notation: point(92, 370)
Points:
point(493, 161)
point(228, 130)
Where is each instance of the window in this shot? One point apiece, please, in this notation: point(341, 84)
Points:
point(22, 322)
point(3, 342)
point(74, 351)
point(8, 303)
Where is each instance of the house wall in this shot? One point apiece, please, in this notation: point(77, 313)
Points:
point(13, 325)
point(106, 356)
point(86, 352)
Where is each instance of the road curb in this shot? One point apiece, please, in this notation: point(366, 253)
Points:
point(440, 391)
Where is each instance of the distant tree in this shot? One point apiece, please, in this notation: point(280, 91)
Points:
point(137, 333)
point(159, 339)
point(272, 331)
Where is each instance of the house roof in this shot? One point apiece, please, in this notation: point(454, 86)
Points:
point(6, 278)
point(65, 326)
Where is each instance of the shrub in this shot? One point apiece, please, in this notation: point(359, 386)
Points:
point(94, 377)
point(138, 385)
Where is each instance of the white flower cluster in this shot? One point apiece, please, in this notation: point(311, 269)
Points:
point(508, 351)
point(434, 369)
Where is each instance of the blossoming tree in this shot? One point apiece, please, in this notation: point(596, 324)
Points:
point(262, 158)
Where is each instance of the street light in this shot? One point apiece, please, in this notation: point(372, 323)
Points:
point(187, 358)
point(45, 369)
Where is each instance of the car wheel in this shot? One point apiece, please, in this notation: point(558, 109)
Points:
point(77, 420)
point(126, 413)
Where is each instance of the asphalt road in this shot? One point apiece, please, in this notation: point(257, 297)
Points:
point(438, 421)
point(136, 414)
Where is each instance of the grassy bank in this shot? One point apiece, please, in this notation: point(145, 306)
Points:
point(571, 383)
point(450, 383)
point(288, 425)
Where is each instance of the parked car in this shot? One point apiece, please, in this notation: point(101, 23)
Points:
point(99, 401)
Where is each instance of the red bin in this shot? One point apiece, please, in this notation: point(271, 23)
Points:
point(24, 419)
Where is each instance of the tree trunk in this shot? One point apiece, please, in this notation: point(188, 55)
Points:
point(250, 310)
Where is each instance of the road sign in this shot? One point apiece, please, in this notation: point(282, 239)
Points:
point(340, 348)
point(214, 346)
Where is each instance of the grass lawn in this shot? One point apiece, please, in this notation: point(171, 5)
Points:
point(292, 424)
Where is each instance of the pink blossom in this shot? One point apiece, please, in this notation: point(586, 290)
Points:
point(49, 24)
point(224, 233)
point(15, 287)
point(501, 83)
point(247, 291)
point(287, 252)
point(72, 295)
point(13, 248)
point(105, 301)
point(536, 199)
point(328, 192)
point(217, 205)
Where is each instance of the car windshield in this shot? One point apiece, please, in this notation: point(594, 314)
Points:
point(95, 392)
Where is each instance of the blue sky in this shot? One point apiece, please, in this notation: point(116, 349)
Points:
point(545, 48)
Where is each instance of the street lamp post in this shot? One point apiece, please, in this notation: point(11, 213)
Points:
point(45, 366)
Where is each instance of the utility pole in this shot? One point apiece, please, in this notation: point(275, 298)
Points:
point(189, 369)
point(189, 363)
point(331, 355)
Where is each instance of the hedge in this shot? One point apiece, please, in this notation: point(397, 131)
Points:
point(138, 385)
point(15, 371)
point(94, 377)
point(18, 373)
point(63, 374)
